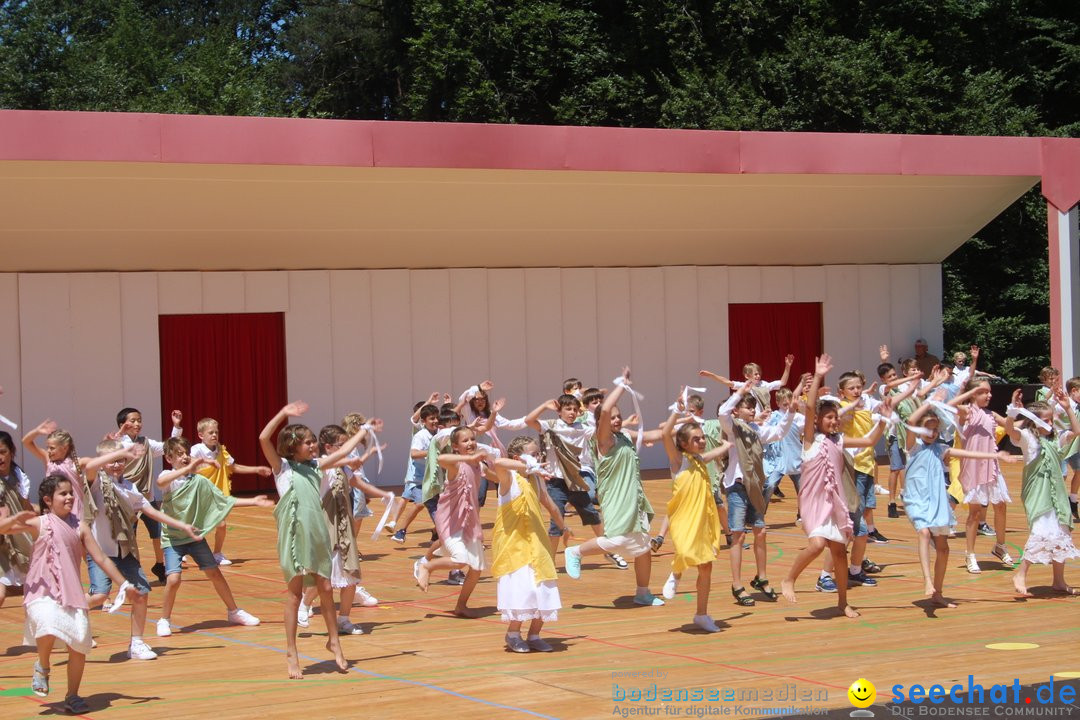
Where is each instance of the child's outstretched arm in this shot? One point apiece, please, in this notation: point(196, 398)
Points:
point(667, 430)
point(341, 456)
point(90, 465)
point(822, 366)
point(533, 418)
point(153, 513)
point(1010, 425)
point(260, 470)
point(718, 378)
point(871, 438)
point(788, 361)
point(30, 439)
point(605, 439)
point(449, 461)
point(266, 437)
point(169, 475)
point(20, 522)
point(258, 501)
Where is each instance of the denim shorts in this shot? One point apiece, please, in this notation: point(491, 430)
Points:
point(432, 504)
point(773, 482)
point(101, 584)
point(1073, 461)
point(897, 456)
point(413, 493)
point(864, 487)
point(561, 494)
point(740, 512)
point(199, 551)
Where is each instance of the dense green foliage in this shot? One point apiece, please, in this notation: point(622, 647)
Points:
point(970, 67)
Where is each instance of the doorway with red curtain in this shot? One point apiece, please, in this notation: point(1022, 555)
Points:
point(765, 332)
point(230, 367)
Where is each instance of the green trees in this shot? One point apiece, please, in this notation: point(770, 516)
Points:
point(1009, 67)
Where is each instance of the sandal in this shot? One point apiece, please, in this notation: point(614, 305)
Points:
point(40, 682)
point(870, 567)
point(741, 598)
point(760, 585)
point(76, 705)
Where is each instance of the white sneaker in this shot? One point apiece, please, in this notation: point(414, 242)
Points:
point(240, 617)
point(139, 650)
point(164, 627)
point(345, 627)
point(880, 490)
point(670, 587)
point(221, 559)
point(366, 599)
point(706, 623)
point(106, 606)
point(303, 615)
point(973, 565)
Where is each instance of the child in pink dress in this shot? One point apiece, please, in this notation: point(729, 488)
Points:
point(54, 600)
point(826, 517)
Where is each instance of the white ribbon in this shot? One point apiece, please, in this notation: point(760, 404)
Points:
point(7, 422)
point(830, 398)
point(920, 431)
point(121, 595)
point(532, 465)
point(1013, 411)
point(674, 407)
point(374, 439)
point(385, 517)
point(637, 398)
point(947, 412)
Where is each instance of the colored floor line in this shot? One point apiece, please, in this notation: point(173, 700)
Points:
point(380, 676)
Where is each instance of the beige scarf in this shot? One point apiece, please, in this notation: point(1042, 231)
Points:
point(121, 517)
point(138, 471)
point(14, 549)
point(338, 521)
point(568, 459)
point(748, 447)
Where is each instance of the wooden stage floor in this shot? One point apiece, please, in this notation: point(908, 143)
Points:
point(416, 661)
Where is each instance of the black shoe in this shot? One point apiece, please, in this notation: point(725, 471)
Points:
point(893, 512)
point(877, 537)
point(1072, 504)
point(777, 493)
point(159, 571)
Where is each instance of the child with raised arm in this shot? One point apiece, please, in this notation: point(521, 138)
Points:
point(926, 498)
point(564, 444)
point(304, 548)
point(744, 485)
point(759, 389)
point(414, 478)
point(55, 605)
point(361, 487)
point(210, 447)
point(827, 506)
point(117, 502)
point(60, 458)
point(522, 564)
point(1043, 490)
point(140, 471)
point(475, 405)
point(627, 511)
point(193, 500)
point(980, 476)
point(457, 518)
point(14, 498)
point(693, 519)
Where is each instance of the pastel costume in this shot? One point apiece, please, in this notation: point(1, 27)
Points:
point(15, 550)
point(522, 558)
point(220, 476)
point(694, 526)
point(1045, 502)
point(194, 500)
point(79, 485)
point(926, 495)
point(53, 594)
point(981, 480)
point(457, 519)
point(344, 558)
point(303, 540)
point(822, 498)
point(627, 512)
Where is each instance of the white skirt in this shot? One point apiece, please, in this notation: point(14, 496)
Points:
point(521, 599)
point(70, 626)
point(466, 552)
point(1049, 541)
point(829, 531)
point(338, 577)
point(989, 494)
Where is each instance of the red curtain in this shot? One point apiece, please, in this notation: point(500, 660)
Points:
point(228, 367)
point(765, 332)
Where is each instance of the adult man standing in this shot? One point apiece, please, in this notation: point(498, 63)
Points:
point(924, 360)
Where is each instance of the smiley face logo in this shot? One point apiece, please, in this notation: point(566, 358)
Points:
point(862, 693)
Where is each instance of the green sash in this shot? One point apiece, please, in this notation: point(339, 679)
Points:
point(196, 503)
point(1043, 488)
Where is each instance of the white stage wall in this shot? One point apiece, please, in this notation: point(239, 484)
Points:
point(77, 347)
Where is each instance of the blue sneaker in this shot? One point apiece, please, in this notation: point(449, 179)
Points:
point(572, 560)
point(826, 584)
point(399, 536)
point(861, 579)
point(647, 599)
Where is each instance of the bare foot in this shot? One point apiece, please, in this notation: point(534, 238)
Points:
point(850, 611)
point(294, 665)
point(339, 658)
point(1065, 589)
point(464, 612)
point(929, 590)
point(787, 589)
point(939, 600)
point(422, 577)
point(1020, 585)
